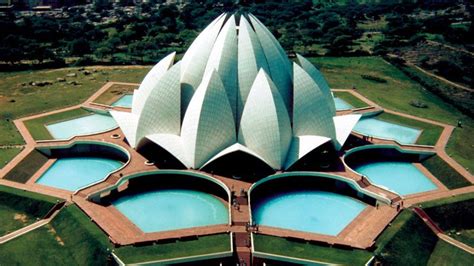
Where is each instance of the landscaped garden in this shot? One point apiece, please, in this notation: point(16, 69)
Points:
point(310, 251)
point(396, 94)
point(20, 208)
point(455, 217)
point(409, 241)
point(64, 87)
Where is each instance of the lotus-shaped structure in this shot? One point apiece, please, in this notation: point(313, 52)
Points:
point(235, 90)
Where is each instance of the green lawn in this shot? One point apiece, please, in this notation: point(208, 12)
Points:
point(70, 239)
point(447, 254)
point(7, 154)
point(396, 94)
point(456, 219)
point(18, 100)
point(282, 246)
point(201, 246)
point(114, 93)
point(19, 208)
point(410, 242)
point(444, 173)
point(37, 128)
point(23, 171)
point(350, 99)
point(429, 135)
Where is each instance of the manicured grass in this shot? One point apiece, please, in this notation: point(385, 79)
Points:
point(37, 127)
point(392, 229)
point(18, 100)
point(83, 240)
point(38, 247)
point(7, 154)
point(201, 246)
point(396, 94)
point(19, 208)
point(281, 246)
point(455, 217)
point(447, 254)
point(114, 93)
point(412, 244)
point(350, 99)
point(23, 171)
point(445, 173)
point(429, 135)
point(70, 239)
point(448, 200)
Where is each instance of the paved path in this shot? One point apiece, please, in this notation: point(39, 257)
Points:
point(435, 228)
point(361, 233)
point(27, 229)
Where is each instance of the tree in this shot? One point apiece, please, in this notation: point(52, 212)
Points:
point(79, 47)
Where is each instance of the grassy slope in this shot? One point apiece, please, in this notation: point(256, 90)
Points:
point(14, 202)
point(412, 244)
point(455, 216)
point(447, 175)
point(447, 254)
point(70, 239)
point(204, 245)
point(37, 126)
point(7, 154)
point(114, 93)
point(344, 72)
point(32, 100)
point(350, 99)
point(429, 135)
point(23, 171)
point(281, 246)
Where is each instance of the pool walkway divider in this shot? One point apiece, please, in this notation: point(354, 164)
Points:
point(47, 218)
point(439, 233)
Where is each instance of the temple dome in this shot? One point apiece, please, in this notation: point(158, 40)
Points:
point(235, 90)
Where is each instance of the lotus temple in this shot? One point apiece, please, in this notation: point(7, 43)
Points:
point(237, 140)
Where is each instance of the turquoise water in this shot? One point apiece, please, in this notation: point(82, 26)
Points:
point(401, 177)
point(341, 104)
point(308, 211)
point(377, 128)
point(171, 209)
point(124, 101)
point(81, 126)
point(74, 173)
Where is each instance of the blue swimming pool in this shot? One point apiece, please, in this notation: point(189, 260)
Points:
point(124, 101)
point(81, 126)
point(171, 209)
point(371, 126)
point(401, 177)
point(341, 104)
point(308, 211)
point(74, 173)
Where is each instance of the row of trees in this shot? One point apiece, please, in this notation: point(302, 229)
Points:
point(297, 24)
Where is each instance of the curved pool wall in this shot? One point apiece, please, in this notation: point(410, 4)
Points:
point(164, 179)
point(320, 185)
point(76, 172)
point(94, 123)
point(89, 149)
point(387, 161)
point(369, 125)
point(172, 209)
